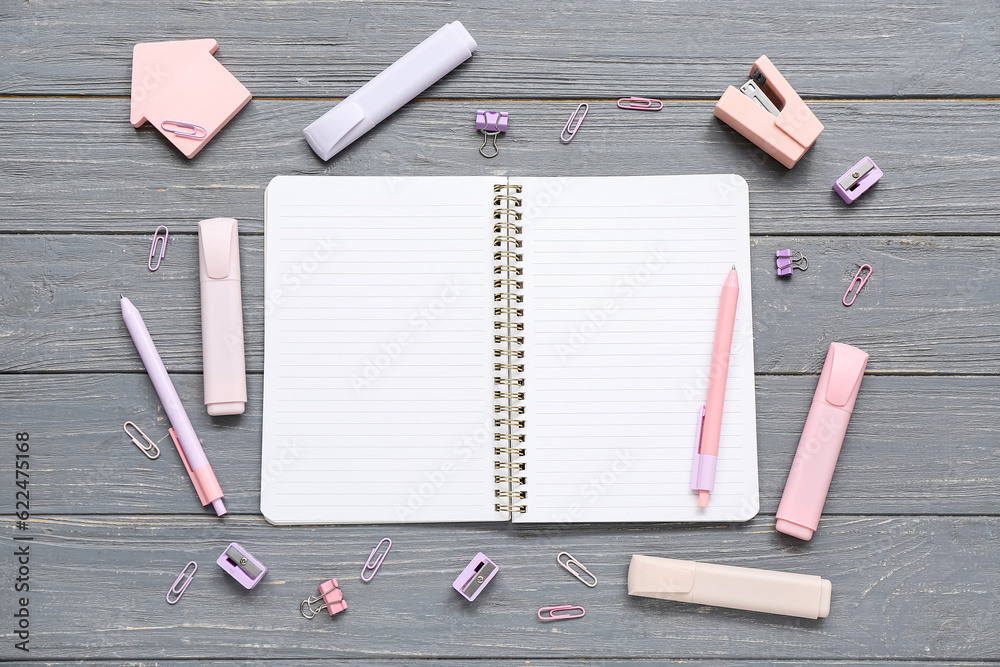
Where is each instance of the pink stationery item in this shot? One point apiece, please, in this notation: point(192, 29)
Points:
point(710, 423)
point(640, 104)
point(161, 241)
point(856, 284)
point(768, 112)
point(184, 91)
point(222, 353)
point(185, 439)
point(578, 115)
point(561, 613)
point(785, 593)
point(330, 595)
point(823, 436)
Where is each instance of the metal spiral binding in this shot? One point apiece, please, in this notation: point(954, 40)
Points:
point(509, 424)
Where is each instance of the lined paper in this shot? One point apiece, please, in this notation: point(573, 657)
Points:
point(623, 278)
point(378, 350)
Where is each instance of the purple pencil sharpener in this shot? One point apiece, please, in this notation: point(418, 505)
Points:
point(241, 566)
point(475, 576)
point(857, 180)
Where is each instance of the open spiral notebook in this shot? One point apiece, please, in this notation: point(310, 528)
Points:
point(493, 349)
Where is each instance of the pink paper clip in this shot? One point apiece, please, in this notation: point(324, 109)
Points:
point(196, 131)
point(561, 613)
point(375, 562)
point(859, 281)
point(640, 104)
point(163, 247)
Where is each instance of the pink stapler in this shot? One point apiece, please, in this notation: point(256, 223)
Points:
point(768, 112)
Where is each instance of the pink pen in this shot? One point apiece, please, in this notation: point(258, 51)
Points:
point(707, 452)
point(823, 436)
point(189, 447)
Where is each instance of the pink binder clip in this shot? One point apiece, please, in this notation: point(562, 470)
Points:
point(330, 595)
point(857, 284)
point(491, 124)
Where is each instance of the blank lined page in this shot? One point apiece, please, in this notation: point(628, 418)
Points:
point(622, 282)
point(378, 396)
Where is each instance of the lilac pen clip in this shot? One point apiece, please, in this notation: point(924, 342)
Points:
point(491, 124)
point(241, 566)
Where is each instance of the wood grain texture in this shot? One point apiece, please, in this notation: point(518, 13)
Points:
point(941, 177)
point(903, 588)
point(62, 313)
point(329, 48)
point(916, 445)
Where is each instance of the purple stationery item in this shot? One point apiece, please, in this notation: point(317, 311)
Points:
point(567, 134)
point(181, 583)
point(188, 445)
point(241, 566)
point(475, 576)
point(561, 613)
point(491, 124)
point(406, 78)
point(163, 247)
point(375, 562)
point(787, 261)
point(857, 180)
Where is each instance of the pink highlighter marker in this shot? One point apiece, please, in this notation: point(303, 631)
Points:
point(710, 426)
point(186, 440)
point(822, 438)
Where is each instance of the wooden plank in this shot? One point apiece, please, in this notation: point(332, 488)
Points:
point(937, 295)
point(916, 445)
point(903, 588)
point(941, 176)
point(496, 662)
point(329, 48)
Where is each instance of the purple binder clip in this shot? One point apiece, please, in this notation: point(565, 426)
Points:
point(787, 260)
point(857, 180)
point(241, 566)
point(491, 124)
point(475, 576)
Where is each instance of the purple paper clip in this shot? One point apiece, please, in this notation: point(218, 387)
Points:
point(195, 131)
point(567, 134)
point(241, 566)
point(375, 562)
point(787, 260)
point(857, 180)
point(475, 576)
point(181, 583)
point(561, 613)
point(491, 124)
point(163, 247)
point(640, 104)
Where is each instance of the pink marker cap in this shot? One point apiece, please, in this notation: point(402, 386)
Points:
point(822, 438)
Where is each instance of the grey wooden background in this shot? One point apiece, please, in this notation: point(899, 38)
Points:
point(911, 533)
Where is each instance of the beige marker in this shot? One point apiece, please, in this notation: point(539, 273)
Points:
point(786, 593)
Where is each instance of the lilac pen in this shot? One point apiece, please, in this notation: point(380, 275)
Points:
point(186, 440)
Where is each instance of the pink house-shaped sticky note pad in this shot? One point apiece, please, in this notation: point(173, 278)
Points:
point(182, 82)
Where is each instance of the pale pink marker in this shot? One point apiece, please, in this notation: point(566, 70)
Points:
point(822, 438)
point(707, 451)
point(223, 359)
